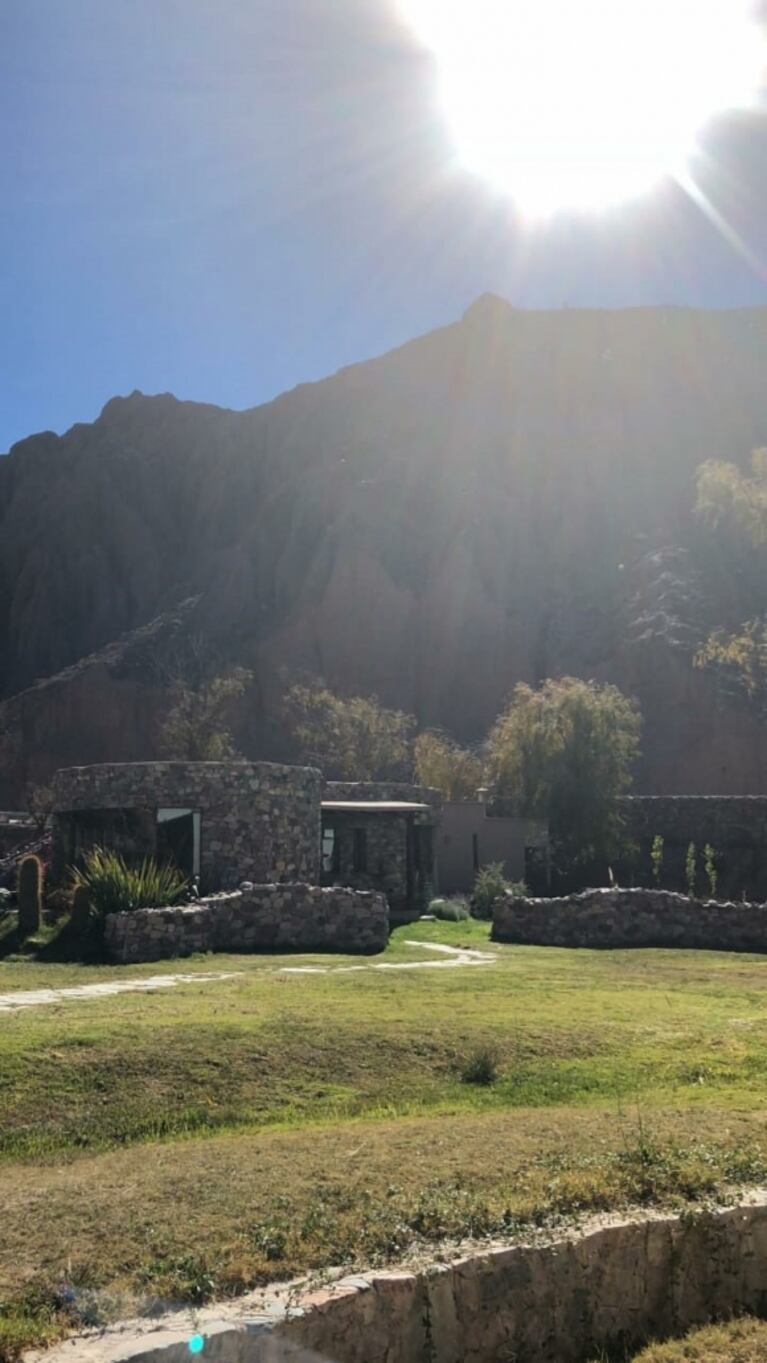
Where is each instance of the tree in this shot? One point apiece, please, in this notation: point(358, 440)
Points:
point(443, 765)
point(564, 752)
point(196, 726)
point(730, 500)
point(729, 497)
point(40, 801)
point(353, 739)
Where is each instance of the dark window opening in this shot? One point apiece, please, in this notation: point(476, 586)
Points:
point(475, 850)
point(360, 853)
point(331, 854)
point(129, 832)
point(178, 840)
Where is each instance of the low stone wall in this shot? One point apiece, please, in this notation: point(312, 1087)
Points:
point(264, 918)
point(604, 1288)
point(631, 918)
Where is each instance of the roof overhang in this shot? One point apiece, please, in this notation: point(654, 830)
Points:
point(373, 807)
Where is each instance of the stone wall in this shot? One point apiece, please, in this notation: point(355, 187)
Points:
point(734, 825)
point(600, 1289)
point(631, 918)
point(386, 838)
point(259, 821)
point(263, 918)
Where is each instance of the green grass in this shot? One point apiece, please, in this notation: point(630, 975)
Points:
point(197, 1140)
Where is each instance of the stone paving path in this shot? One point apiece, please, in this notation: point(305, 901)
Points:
point(33, 998)
point(450, 957)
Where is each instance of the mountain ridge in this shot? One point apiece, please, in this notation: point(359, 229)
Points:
point(507, 497)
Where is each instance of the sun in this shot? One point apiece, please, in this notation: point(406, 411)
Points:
point(579, 104)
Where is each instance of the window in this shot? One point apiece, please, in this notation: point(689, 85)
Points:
point(329, 852)
point(360, 854)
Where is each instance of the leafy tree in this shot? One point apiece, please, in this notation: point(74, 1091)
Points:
point(353, 739)
point(443, 765)
point(565, 752)
point(196, 727)
point(735, 502)
point(729, 497)
point(742, 654)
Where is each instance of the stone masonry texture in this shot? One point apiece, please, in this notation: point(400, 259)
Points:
point(631, 918)
point(260, 918)
point(259, 821)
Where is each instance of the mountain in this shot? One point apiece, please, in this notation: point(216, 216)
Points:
point(505, 499)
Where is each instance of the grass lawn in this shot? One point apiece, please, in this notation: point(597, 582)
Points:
point(195, 1141)
point(739, 1341)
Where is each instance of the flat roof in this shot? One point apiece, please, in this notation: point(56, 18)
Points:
point(373, 806)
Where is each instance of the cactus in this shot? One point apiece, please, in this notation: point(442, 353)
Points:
point(30, 895)
point(81, 910)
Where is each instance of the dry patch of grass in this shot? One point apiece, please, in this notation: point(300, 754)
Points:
point(185, 1222)
point(738, 1341)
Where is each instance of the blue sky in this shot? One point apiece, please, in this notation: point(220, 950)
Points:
point(223, 198)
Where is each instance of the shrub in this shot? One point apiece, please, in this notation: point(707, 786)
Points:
point(480, 1067)
point(115, 887)
point(450, 910)
point(489, 885)
point(690, 869)
point(710, 867)
point(30, 895)
point(657, 858)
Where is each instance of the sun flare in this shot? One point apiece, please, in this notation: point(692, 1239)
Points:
point(584, 103)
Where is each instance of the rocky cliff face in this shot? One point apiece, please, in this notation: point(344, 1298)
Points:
point(502, 500)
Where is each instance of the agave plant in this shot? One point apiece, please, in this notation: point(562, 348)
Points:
point(113, 886)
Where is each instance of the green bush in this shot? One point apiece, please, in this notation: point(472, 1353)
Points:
point(712, 875)
point(656, 855)
point(115, 887)
point(489, 885)
point(481, 1067)
point(450, 910)
point(691, 869)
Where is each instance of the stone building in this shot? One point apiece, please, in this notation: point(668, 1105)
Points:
point(381, 836)
point(223, 822)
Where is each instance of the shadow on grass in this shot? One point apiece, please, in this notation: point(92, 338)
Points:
point(56, 943)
